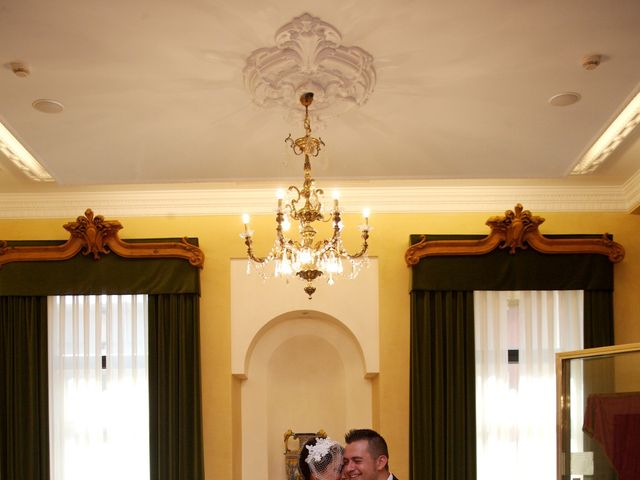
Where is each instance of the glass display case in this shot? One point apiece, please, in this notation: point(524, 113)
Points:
point(598, 420)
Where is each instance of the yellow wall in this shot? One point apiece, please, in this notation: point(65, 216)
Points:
point(220, 241)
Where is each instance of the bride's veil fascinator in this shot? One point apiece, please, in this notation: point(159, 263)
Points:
point(325, 459)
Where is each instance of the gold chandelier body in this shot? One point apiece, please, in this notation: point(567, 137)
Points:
point(307, 258)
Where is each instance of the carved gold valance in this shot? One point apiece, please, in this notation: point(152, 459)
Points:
point(515, 230)
point(93, 235)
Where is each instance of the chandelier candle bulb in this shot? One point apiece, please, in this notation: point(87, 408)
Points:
point(280, 197)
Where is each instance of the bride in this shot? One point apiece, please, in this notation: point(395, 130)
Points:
point(321, 459)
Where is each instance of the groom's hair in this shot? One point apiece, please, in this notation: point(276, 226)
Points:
point(376, 445)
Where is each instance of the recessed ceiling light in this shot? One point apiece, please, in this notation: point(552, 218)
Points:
point(564, 99)
point(47, 106)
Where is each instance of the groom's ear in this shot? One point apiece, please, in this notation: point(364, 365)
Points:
point(381, 462)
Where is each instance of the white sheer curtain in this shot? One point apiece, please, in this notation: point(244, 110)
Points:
point(515, 402)
point(98, 387)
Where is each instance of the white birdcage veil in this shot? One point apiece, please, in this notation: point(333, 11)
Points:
point(325, 459)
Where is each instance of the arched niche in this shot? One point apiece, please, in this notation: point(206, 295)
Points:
point(305, 371)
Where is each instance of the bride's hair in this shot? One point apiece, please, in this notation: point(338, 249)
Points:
point(321, 457)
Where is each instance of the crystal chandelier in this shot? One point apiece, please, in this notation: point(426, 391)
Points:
point(306, 257)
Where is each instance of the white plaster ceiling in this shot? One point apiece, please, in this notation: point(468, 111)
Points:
point(154, 92)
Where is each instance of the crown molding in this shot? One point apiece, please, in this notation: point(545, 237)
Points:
point(395, 197)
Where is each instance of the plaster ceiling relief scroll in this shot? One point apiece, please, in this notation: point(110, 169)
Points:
point(308, 56)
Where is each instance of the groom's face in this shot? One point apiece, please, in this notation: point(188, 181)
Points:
point(359, 464)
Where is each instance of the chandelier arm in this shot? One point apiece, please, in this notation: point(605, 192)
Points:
point(327, 217)
point(363, 248)
point(360, 254)
point(249, 243)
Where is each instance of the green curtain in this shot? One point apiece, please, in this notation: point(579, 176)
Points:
point(598, 318)
point(175, 397)
point(24, 406)
point(598, 375)
point(443, 409)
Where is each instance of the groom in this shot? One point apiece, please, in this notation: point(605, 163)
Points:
point(366, 456)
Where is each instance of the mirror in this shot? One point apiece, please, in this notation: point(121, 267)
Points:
point(598, 413)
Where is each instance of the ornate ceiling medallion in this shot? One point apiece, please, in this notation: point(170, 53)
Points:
point(308, 57)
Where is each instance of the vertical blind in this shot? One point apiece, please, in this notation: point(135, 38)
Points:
point(517, 335)
point(98, 387)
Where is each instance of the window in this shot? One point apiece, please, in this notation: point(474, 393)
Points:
point(98, 387)
point(517, 335)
